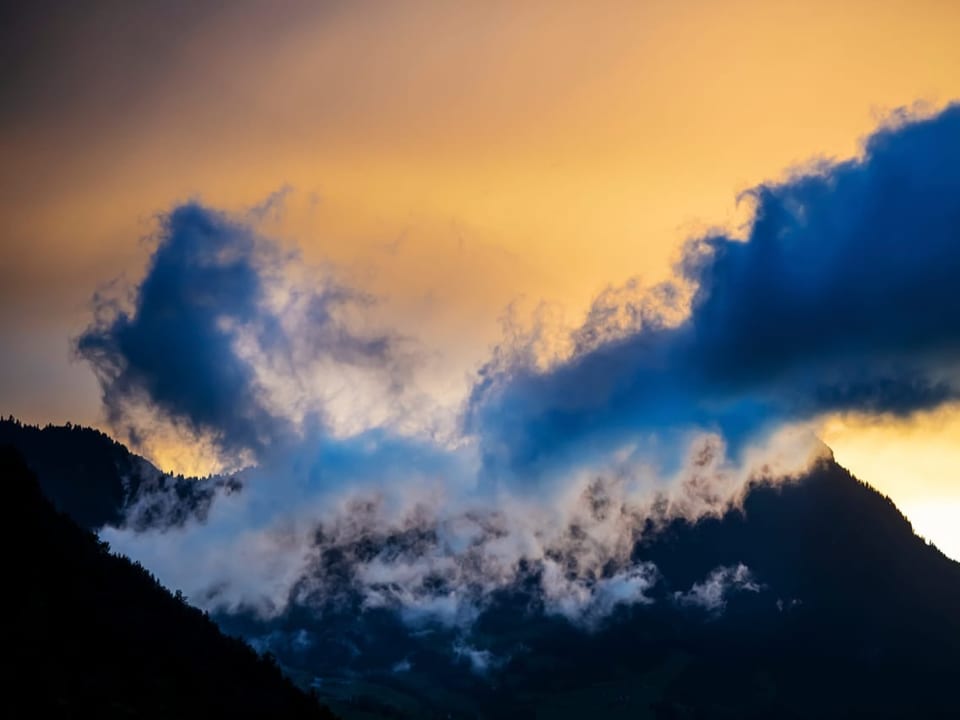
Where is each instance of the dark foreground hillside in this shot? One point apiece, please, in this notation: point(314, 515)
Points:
point(84, 472)
point(96, 480)
point(90, 634)
point(847, 614)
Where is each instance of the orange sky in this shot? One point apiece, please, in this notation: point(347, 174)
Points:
point(449, 157)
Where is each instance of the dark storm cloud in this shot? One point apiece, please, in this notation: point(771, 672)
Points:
point(205, 294)
point(176, 348)
point(843, 297)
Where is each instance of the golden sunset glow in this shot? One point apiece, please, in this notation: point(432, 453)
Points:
point(453, 159)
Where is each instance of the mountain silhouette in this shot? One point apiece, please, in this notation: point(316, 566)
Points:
point(846, 614)
point(90, 634)
point(96, 480)
point(814, 599)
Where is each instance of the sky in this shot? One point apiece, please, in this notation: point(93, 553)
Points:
point(446, 188)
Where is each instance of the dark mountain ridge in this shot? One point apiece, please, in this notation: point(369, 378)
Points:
point(91, 634)
point(841, 612)
point(97, 480)
point(847, 613)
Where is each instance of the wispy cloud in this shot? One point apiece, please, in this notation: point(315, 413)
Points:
point(664, 403)
point(226, 335)
point(711, 594)
point(840, 298)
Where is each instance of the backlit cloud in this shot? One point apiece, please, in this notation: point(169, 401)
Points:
point(663, 404)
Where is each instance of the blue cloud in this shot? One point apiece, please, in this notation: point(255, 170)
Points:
point(843, 297)
point(177, 349)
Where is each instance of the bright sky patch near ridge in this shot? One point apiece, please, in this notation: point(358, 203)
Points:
point(450, 160)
